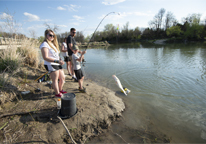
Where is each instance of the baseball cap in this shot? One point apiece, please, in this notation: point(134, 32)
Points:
point(75, 47)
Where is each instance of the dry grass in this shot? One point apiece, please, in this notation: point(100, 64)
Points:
point(30, 51)
point(17, 54)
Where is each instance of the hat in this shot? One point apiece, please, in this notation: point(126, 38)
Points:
point(75, 47)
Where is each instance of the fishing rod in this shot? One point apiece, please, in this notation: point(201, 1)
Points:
point(97, 28)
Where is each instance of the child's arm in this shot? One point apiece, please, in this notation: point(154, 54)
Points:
point(81, 57)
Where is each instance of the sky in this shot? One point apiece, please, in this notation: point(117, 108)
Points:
point(85, 15)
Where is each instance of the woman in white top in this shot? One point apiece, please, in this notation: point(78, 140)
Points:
point(65, 55)
point(50, 53)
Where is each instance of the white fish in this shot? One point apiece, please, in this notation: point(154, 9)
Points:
point(119, 83)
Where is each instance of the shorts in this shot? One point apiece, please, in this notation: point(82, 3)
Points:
point(79, 74)
point(66, 58)
point(70, 58)
point(52, 68)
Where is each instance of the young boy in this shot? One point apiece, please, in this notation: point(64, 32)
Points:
point(76, 59)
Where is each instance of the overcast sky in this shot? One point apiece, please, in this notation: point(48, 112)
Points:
point(85, 15)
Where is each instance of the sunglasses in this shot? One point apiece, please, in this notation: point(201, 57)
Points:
point(74, 32)
point(51, 35)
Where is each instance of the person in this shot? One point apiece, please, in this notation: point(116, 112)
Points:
point(65, 55)
point(52, 62)
point(70, 42)
point(76, 59)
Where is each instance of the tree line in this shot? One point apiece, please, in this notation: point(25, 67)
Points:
point(163, 25)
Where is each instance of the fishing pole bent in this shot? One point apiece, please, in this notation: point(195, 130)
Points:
point(97, 28)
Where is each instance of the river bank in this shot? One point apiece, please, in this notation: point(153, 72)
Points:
point(33, 117)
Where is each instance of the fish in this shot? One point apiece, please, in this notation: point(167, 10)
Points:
point(119, 83)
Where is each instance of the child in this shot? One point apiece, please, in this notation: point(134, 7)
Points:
point(76, 59)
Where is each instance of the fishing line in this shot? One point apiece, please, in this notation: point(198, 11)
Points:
point(92, 38)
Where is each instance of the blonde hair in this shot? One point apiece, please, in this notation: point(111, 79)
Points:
point(55, 42)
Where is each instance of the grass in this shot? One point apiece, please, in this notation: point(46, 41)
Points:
point(13, 57)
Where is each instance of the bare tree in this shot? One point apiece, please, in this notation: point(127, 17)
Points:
point(33, 34)
point(169, 20)
point(9, 23)
point(156, 23)
point(55, 28)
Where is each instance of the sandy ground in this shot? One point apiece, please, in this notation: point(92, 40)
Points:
point(33, 117)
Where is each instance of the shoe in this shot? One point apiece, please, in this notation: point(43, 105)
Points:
point(59, 95)
point(70, 74)
point(75, 80)
point(63, 92)
point(82, 90)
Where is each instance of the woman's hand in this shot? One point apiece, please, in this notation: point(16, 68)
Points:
point(61, 62)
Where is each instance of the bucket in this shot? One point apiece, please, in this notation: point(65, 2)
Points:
point(68, 105)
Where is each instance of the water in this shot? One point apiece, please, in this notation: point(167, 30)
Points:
point(167, 83)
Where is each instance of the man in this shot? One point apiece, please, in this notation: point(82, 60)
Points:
point(70, 43)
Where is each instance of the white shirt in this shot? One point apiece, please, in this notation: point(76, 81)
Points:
point(65, 48)
point(76, 64)
point(52, 53)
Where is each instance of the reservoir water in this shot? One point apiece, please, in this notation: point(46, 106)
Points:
point(167, 83)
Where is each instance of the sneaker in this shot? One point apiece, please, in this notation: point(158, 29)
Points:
point(70, 74)
point(63, 92)
point(75, 80)
point(82, 90)
point(59, 95)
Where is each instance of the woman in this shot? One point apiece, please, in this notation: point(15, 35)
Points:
point(65, 55)
point(50, 53)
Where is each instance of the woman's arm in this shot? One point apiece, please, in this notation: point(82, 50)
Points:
point(45, 52)
point(63, 48)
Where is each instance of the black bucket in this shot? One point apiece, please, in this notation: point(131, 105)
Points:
point(68, 105)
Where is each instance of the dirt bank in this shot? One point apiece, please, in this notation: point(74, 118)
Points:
point(97, 109)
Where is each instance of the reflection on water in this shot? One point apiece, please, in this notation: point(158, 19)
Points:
point(167, 83)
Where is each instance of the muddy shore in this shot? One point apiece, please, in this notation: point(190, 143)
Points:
point(33, 117)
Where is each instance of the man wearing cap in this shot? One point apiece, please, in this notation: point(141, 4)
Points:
point(76, 60)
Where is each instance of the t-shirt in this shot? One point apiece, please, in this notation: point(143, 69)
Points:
point(65, 48)
point(52, 53)
point(76, 64)
point(71, 40)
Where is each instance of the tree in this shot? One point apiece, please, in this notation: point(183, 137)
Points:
point(41, 39)
point(174, 31)
point(55, 28)
point(156, 23)
point(169, 20)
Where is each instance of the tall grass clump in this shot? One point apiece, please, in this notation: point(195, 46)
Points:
point(10, 60)
point(30, 51)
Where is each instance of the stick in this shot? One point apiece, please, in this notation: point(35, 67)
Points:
point(3, 125)
point(19, 113)
point(41, 76)
point(66, 129)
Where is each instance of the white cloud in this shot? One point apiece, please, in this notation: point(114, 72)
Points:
point(64, 26)
point(32, 17)
point(5, 16)
point(78, 18)
point(112, 2)
point(72, 7)
point(60, 8)
point(35, 27)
